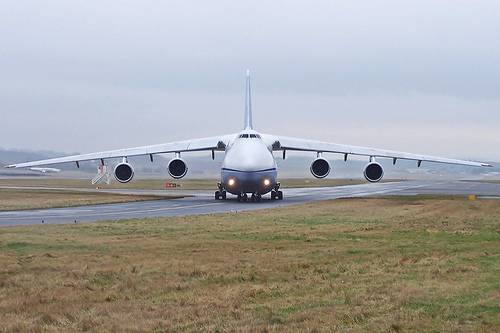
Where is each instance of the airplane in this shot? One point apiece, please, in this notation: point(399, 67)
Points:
point(45, 170)
point(249, 166)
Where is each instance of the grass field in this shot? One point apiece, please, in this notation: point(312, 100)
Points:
point(158, 184)
point(16, 199)
point(353, 265)
point(487, 181)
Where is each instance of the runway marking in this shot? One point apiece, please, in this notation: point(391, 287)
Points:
point(363, 192)
point(111, 207)
point(181, 207)
point(46, 217)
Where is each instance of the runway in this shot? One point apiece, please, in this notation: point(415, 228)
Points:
point(202, 202)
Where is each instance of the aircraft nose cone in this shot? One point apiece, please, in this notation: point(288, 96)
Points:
point(249, 157)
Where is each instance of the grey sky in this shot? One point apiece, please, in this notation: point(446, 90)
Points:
point(421, 76)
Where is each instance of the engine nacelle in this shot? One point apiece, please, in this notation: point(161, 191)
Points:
point(373, 172)
point(123, 172)
point(320, 168)
point(177, 168)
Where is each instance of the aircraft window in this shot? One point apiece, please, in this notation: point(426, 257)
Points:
point(251, 136)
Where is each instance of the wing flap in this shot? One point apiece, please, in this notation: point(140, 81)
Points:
point(211, 143)
point(287, 143)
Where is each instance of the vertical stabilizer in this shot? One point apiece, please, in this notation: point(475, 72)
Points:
point(248, 103)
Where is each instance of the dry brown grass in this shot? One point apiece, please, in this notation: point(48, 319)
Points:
point(361, 265)
point(16, 199)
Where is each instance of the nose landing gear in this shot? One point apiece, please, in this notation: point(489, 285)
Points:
point(242, 197)
point(256, 197)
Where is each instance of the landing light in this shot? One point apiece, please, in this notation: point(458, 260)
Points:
point(231, 182)
point(267, 182)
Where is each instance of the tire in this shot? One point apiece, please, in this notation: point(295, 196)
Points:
point(217, 195)
point(280, 195)
point(273, 195)
point(224, 195)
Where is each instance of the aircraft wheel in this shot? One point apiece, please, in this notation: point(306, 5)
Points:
point(273, 195)
point(217, 195)
point(280, 195)
point(244, 197)
point(258, 198)
point(223, 195)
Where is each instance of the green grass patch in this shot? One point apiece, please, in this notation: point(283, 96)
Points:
point(363, 265)
point(32, 248)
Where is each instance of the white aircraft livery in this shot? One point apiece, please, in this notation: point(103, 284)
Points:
point(249, 166)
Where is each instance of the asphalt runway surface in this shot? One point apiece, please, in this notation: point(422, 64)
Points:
point(203, 202)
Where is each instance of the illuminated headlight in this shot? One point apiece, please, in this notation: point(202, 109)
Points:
point(267, 182)
point(231, 182)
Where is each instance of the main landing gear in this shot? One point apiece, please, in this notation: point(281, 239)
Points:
point(220, 195)
point(277, 195)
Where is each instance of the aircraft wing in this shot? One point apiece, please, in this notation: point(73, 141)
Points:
point(203, 144)
point(287, 143)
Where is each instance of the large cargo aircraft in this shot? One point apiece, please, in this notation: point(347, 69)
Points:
point(249, 166)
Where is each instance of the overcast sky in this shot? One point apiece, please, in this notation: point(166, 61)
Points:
point(421, 76)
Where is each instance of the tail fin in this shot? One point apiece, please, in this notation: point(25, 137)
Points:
point(248, 103)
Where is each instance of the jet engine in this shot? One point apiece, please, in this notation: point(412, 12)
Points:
point(373, 172)
point(124, 172)
point(320, 168)
point(177, 168)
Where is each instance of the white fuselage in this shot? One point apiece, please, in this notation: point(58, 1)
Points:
point(249, 165)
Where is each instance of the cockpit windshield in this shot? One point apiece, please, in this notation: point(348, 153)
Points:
point(251, 136)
